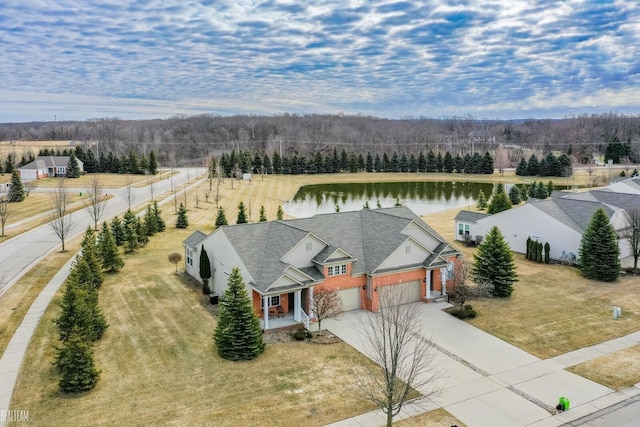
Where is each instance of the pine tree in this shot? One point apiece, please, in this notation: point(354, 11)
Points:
point(16, 190)
point(550, 188)
point(524, 194)
point(221, 219)
point(142, 232)
point(499, 200)
point(205, 271)
point(131, 243)
point(547, 250)
point(108, 250)
point(366, 205)
point(153, 165)
point(89, 246)
point(263, 215)
point(539, 252)
point(599, 251)
point(540, 191)
point(494, 264)
point(75, 364)
point(279, 213)
point(158, 214)
point(118, 231)
point(73, 311)
point(528, 254)
point(73, 169)
point(182, 221)
point(522, 169)
point(238, 335)
point(150, 221)
point(242, 216)
point(514, 195)
point(481, 200)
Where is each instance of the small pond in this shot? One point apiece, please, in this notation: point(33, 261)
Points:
point(421, 197)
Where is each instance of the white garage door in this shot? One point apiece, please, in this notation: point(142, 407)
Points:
point(350, 298)
point(412, 291)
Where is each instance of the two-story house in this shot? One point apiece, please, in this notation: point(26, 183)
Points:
point(352, 252)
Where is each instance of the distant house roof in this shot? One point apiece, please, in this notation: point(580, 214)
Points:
point(194, 239)
point(468, 216)
point(575, 214)
point(609, 198)
point(368, 236)
point(49, 162)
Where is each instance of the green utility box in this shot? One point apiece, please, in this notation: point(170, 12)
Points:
point(565, 403)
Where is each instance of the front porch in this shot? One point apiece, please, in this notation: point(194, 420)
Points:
point(283, 310)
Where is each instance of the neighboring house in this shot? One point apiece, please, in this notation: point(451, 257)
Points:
point(353, 253)
point(561, 221)
point(465, 223)
point(45, 167)
point(628, 186)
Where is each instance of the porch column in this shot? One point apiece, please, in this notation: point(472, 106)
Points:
point(310, 303)
point(443, 281)
point(265, 312)
point(297, 299)
point(428, 282)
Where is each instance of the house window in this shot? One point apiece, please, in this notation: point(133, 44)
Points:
point(309, 246)
point(463, 229)
point(60, 170)
point(336, 270)
point(189, 257)
point(273, 301)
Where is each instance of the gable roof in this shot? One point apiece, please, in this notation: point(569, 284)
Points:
point(575, 214)
point(468, 216)
point(368, 236)
point(194, 239)
point(49, 162)
point(610, 198)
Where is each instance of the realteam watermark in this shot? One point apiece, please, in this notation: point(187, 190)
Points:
point(13, 416)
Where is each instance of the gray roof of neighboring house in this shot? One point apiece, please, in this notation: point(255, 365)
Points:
point(468, 216)
point(194, 239)
point(610, 198)
point(368, 235)
point(571, 212)
point(634, 183)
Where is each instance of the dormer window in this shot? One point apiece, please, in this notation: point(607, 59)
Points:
point(336, 270)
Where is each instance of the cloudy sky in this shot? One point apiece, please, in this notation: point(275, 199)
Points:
point(80, 59)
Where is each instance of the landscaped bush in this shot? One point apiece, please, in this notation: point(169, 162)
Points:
point(467, 312)
point(300, 335)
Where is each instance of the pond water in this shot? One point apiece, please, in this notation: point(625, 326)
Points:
point(421, 197)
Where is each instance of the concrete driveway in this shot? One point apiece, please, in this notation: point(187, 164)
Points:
point(488, 382)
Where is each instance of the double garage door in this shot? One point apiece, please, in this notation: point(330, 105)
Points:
point(412, 292)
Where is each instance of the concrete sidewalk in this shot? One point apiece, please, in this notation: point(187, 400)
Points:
point(491, 383)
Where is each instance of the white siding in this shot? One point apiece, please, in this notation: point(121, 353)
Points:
point(299, 256)
point(401, 256)
point(418, 233)
point(518, 223)
point(223, 259)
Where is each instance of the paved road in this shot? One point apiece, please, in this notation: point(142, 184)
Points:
point(19, 254)
point(623, 414)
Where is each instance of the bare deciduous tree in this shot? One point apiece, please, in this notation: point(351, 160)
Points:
point(5, 211)
point(326, 305)
point(404, 359)
point(95, 200)
point(59, 221)
point(631, 234)
point(128, 190)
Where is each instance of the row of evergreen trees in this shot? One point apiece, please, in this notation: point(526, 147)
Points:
point(112, 163)
point(234, 163)
point(535, 251)
point(548, 166)
point(500, 201)
point(81, 321)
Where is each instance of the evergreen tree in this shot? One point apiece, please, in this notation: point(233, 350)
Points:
point(205, 271)
point(242, 215)
point(221, 219)
point(440, 163)
point(16, 190)
point(499, 200)
point(494, 264)
point(397, 204)
point(540, 191)
point(539, 252)
point(73, 311)
point(238, 335)
point(144, 165)
point(366, 205)
point(547, 250)
point(266, 161)
point(89, 246)
point(599, 251)
point(524, 193)
point(158, 214)
point(522, 169)
point(487, 164)
point(153, 164)
point(448, 161)
point(277, 163)
point(131, 243)
point(142, 232)
point(514, 195)
point(481, 200)
point(182, 221)
point(76, 366)
point(8, 164)
point(108, 250)
point(528, 254)
point(550, 187)
point(378, 204)
point(263, 215)
point(73, 169)
point(279, 213)
point(150, 221)
point(377, 163)
point(532, 166)
point(369, 163)
point(118, 231)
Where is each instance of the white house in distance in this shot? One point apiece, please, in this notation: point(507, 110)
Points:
point(560, 221)
point(46, 167)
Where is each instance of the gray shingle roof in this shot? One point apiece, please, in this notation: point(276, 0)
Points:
point(194, 239)
point(50, 162)
point(610, 198)
point(368, 235)
point(468, 216)
point(573, 213)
